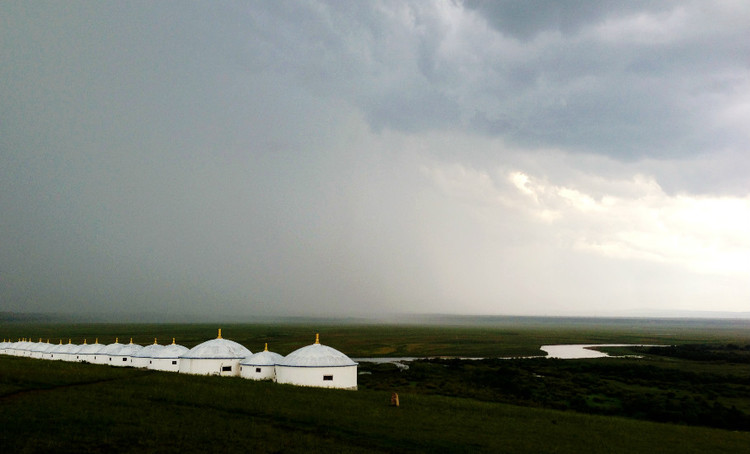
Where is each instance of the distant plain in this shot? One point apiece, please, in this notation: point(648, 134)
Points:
point(411, 336)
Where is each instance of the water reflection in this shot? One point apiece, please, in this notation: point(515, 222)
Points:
point(576, 351)
point(561, 351)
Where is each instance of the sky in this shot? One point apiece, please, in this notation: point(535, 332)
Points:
point(312, 158)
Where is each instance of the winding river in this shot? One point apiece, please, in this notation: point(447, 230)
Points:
point(583, 351)
point(560, 351)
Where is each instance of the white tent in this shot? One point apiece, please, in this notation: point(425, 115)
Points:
point(105, 355)
point(318, 365)
point(28, 349)
point(28, 346)
point(168, 358)
point(80, 353)
point(144, 357)
point(14, 349)
point(74, 353)
point(215, 357)
point(124, 356)
point(260, 366)
point(6, 347)
point(63, 354)
point(89, 353)
point(42, 352)
point(53, 353)
point(36, 350)
point(21, 348)
point(11, 348)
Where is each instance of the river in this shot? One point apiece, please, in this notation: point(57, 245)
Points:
point(559, 351)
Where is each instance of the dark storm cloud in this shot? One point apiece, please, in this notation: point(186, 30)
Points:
point(625, 79)
point(525, 20)
point(292, 157)
point(587, 79)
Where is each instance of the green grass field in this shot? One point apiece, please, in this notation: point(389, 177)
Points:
point(51, 406)
point(456, 336)
point(64, 407)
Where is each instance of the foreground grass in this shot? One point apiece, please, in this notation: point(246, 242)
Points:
point(62, 407)
point(710, 393)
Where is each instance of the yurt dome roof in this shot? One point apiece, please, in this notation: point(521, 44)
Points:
point(27, 346)
point(149, 350)
point(36, 346)
point(67, 348)
point(170, 351)
point(129, 349)
point(264, 358)
point(24, 345)
point(217, 349)
point(48, 347)
point(317, 355)
point(78, 348)
point(21, 346)
point(90, 349)
point(112, 349)
point(56, 348)
point(40, 347)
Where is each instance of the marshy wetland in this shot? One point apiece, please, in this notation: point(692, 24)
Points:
point(691, 397)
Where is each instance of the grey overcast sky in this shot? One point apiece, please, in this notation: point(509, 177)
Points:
point(363, 158)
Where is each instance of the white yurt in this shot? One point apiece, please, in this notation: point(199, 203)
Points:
point(52, 352)
point(124, 356)
point(62, 353)
point(30, 347)
point(144, 357)
point(105, 355)
point(318, 365)
point(22, 347)
point(26, 348)
point(41, 353)
point(215, 357)
point(168, 358)
point(260, 366)
point(9, 347)
point(36, 350)
point(74, 354)
point(12, 348)
point(89, 352)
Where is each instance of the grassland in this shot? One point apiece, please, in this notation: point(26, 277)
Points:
point(468, 337)
point(50, 406)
